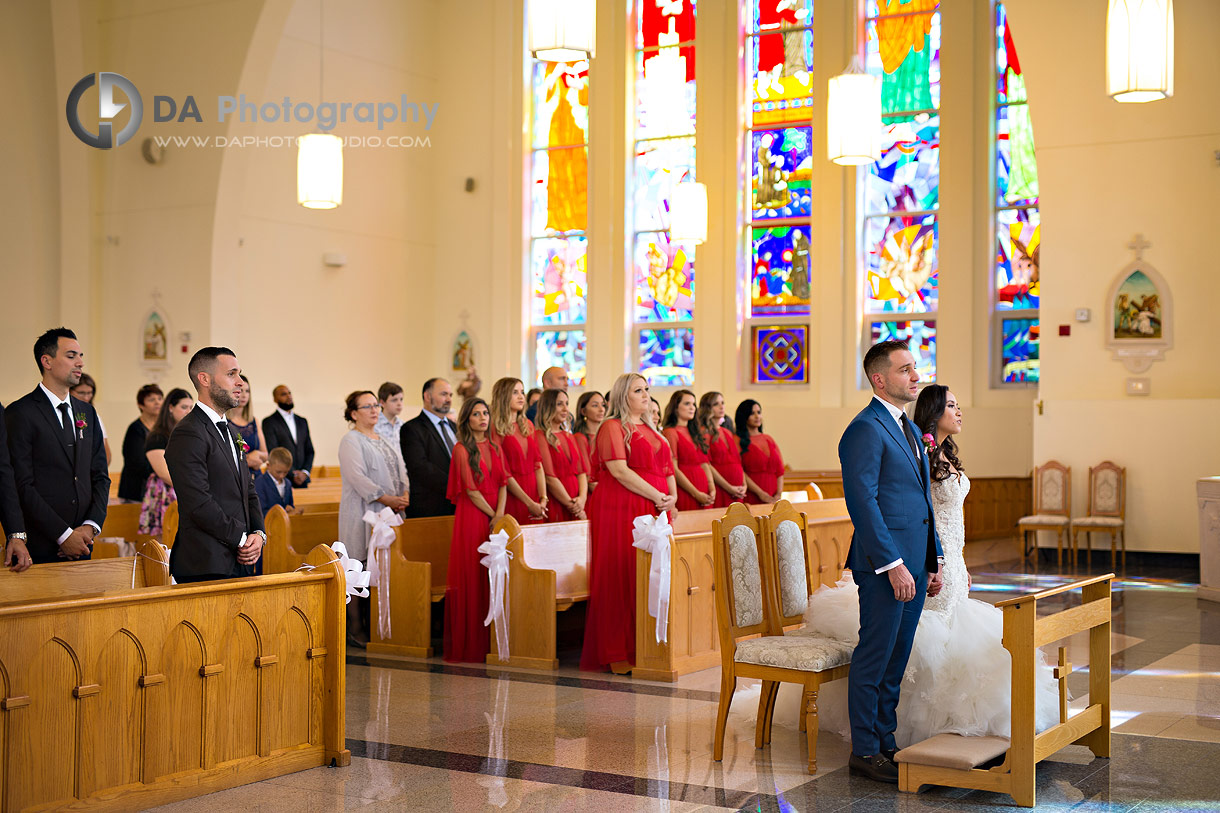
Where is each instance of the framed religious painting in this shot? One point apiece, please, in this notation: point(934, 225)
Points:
point(1139, 316)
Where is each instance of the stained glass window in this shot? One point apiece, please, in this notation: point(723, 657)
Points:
point(558, 218)
point(779, 58)
point(663, 285)
point(900, 228)
point(1017, 220)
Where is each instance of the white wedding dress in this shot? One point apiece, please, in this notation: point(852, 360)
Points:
point(957, 679)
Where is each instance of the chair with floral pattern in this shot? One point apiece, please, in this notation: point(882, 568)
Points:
point(1107, 510)
point(1052, 507)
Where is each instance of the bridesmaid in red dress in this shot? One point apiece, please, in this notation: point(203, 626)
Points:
point(760, 457)
point(567, 477)
point(724, 452)
point(477, 480)
point(514, 435)
point(590, 412)
point(635, 478)
point(691, 468)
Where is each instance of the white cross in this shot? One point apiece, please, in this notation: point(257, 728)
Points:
point(1138, 244)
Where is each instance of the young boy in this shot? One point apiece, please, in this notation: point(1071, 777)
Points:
point(273, 486)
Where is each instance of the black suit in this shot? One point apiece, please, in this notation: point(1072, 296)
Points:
point(10, 508)
point(427, 462)
point(216, 500)
point(60, 483)
point(275, 429)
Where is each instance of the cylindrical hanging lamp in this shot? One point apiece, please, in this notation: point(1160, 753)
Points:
point(562, 30)
point(853, 108)
point(319, 171)
point(688, 213)
point(1139, 50)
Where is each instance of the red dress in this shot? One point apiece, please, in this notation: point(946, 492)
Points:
point(582, 443)
point(610, 621)
point(725, 455)
point(521, 460)
point(763, 464)
point(691, 460)
point(468, 594)
point(563, 460)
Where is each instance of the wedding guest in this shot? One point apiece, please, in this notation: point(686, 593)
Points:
point(477, 486)
point(373, 476)
point(273, 486)
point(241, 418)
point(760, 457)
point(532, 396)
point(567, 481)
point(654, 412)
point(692, 470)
point(590, 412)
point(135, 464)
point(527, 501)
point(159, 489)
point(285, 428)
point(59, 463)
point(635, 478)
point(16, 555)
point(553, 378)
point(426, 444)
point(86, 391)
point(724, 451)
point(389, 423)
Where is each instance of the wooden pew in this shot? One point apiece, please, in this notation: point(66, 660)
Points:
point(952, 760)
point(321, 490)
point(419, 574)
point(132, 699)
point(122, 523)
point(61, 580)
point(290, 537)
point(830, 481)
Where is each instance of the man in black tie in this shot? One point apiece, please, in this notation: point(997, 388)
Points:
point(285, 428)
point(427, 445)
point(59, 462)
point(220, 525)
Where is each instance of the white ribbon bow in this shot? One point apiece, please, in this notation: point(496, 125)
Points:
point(652, 534)
point(357, 578)
point(496, 562)
point(380, 540)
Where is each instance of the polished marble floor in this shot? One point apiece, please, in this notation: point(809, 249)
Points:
point(430, 736)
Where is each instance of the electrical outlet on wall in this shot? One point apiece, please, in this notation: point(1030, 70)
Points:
point(1083, 314)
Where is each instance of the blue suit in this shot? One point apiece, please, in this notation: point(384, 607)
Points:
point(888, 497)
point(269, 495)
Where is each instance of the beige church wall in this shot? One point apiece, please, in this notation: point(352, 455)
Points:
point(1109, 171)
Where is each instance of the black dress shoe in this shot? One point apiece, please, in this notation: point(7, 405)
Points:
point(890, 753)
point(877, 767)
point(354, 643)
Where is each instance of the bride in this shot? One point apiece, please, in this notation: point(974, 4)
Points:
point(957, 679)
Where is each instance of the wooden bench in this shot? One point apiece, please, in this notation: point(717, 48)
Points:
point(127, 700)
point(122, 525)
point(61, 580)
point(419, 574)
point(290, 537)
point(321, 490)
point(953, 760)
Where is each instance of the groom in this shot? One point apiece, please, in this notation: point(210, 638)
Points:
point(895, 554)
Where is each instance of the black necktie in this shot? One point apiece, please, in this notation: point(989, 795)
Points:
point(69, 427)
point(909, 431)
point(223, 426)
point(445, 436)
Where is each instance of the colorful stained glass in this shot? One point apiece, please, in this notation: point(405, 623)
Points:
point(1016, 164)
point(664, 99)
point(561, 104)
point(667, 356)
point(664, 279)
point(559, 192)
point(920, 338)
point(902, 272)
point(666, 22)
point(1019, 238)
point(903, 48)
point(781, 355)
point(560, 348)
point(658, 166)
point(559, 281)
point(773, 15)
point(781, 61)
point(907, 178)
point(1019, 350)
point(780, 281)
point(782, 172)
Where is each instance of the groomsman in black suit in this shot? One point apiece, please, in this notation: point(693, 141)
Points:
point(285, 428)
point(16, 554)
point(59, 462)
point(220, 525)
point(427, 445)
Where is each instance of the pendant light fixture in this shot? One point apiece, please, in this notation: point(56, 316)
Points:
point(1139, 50)
point(320, 155)
point(853, 108)
point(688, 213)
point(562, 30)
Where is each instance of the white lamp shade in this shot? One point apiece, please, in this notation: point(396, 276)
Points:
point(853, 117)
point(1139, 50)
point(562, 30)
point(319, 171)
point(688, 213)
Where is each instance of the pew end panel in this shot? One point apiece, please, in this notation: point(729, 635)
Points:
point(290, 537)
point(418, 573)
point(693, 642)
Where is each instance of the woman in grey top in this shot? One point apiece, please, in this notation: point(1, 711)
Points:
point(373, 477)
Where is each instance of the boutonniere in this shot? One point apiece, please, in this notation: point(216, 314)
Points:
point(80, 424)
point(242, 446)
point(929, 444)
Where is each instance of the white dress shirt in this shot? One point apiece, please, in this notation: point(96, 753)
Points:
point(291, 420)
point(447, 432)
point(227, 437)
point(55, 404)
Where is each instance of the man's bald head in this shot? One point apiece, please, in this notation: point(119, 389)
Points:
point(555, 378)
